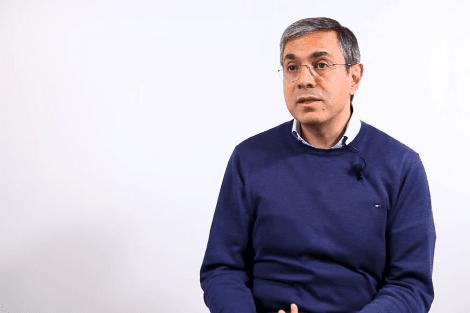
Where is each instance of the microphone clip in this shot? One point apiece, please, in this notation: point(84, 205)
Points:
point(359, 171)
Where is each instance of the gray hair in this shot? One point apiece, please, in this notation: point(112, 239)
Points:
point(347, 40)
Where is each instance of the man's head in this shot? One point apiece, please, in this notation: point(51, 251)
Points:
point(321, 60)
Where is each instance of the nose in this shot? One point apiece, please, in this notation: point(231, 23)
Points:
point(307, 77)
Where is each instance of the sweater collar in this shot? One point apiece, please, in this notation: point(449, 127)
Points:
point(352, 129)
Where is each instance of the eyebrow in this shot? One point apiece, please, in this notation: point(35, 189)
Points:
point(315, 54)
point(318, 54)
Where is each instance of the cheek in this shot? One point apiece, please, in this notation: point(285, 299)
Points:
point(337, 91)
point(287, 94)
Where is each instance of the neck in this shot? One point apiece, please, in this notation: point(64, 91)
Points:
point(327, 134)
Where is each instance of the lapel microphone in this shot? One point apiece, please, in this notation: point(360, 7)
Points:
point(357, 168)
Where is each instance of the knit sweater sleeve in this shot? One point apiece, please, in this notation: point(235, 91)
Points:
point(408, 286)
point(224, 274)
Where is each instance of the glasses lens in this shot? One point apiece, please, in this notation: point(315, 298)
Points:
point(291, 72)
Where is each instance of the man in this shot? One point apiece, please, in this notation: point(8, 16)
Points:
point(323, 213)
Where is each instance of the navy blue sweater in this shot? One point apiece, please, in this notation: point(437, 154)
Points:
point(297, 224)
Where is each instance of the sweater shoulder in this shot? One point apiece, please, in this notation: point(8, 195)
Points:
point(266, 140)
point(382, 146)
point(381, 140)
point(264, 148)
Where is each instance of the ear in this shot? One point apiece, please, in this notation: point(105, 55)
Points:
point(355, 75)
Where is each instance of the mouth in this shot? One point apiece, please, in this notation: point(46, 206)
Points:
point(307, 100)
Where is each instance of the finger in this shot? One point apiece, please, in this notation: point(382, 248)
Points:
point(293, 308)
point(281, 311)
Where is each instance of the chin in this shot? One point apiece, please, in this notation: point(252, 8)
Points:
point(311, 118)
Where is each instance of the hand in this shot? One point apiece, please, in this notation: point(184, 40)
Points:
point(293, 309)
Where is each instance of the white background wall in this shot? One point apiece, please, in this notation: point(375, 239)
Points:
point(117, 119)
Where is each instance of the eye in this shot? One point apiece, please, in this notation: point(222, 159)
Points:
point(320, 66)
point(292, 68)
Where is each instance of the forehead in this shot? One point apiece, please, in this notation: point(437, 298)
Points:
point(316, 44)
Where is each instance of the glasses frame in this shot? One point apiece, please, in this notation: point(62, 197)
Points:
point(312, 71)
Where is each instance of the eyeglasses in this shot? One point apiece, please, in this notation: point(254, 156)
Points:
point(291, 72)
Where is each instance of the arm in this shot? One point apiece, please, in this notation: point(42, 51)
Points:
point(224, 272)
point(411, 237)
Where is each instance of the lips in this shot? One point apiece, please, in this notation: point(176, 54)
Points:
point(307, 99)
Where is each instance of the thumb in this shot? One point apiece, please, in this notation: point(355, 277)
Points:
point(293, 308)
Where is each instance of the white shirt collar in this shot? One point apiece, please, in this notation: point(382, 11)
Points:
point(352, 129)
